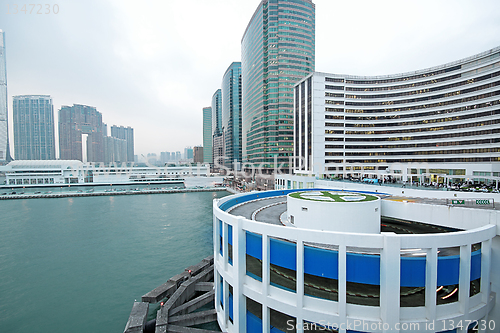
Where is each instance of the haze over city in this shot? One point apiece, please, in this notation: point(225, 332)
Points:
point(155, 65)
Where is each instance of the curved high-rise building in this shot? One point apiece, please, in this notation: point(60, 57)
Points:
point(443, 120)
point(277, 50)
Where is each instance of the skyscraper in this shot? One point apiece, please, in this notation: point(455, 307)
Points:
point(4, 128)
point(207, 135)
point(74, 122)
point(188, 153)
point(198, 154)
point(231, 114)
point(34, 127)
point(125, 133)
point(115, 150)
point(277, 50)
point(217, 134)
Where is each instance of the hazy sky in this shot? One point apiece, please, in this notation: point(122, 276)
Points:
point(154, 65)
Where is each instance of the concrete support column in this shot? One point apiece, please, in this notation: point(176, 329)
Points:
point(226, 302)
point(342, 286)
point(431, 284)
point(216, 236)
point(239, 269)
point(464, 281)
point(225, 246)
point(217, 291)
point(390, 267)
point(485, 271)
point(265, 282)
point(300, 283)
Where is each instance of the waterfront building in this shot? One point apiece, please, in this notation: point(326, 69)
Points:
point(198, 154)
point(60, 172)
point(350, 257)
point(34, 127)
point(277, 50)
point(207, 135)
point(4, 119)
point(127, 134)
point(76, 122)
point(217, 132)
point(440, 124)
point(231, 115)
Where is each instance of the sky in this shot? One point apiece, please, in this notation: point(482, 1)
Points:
point(153, 65)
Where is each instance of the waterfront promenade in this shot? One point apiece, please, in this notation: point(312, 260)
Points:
point(107, 193)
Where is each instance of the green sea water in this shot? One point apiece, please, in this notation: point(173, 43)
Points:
point(78, 264)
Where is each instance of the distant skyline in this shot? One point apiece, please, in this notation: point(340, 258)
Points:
point(155, 65)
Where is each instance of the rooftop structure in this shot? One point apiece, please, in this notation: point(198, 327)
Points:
point(428, 263)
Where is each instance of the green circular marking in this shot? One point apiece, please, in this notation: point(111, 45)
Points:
point(330, 196)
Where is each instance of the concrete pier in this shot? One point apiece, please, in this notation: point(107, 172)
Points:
point(184, 293)
point(96, 194)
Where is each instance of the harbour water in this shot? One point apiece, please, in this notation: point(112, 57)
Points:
point(78, 264)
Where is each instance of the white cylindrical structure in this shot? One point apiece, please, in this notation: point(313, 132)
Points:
point(334, 211)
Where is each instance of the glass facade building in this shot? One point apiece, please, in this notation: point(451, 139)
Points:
point(207, 135)
point(4, 132)
point(217, 133)
point(34, 127)
point(231, 114)
point(277, 51)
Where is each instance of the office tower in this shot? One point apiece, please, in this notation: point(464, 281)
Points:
point(188, 153)
point(207, 135)
point(217, 133)
point(198, 154)
point(231, 114)
point(4, 128)
point(125, 133)
point(178, 156)
point(74, 122)
point(34, 127)
point(277, 51)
